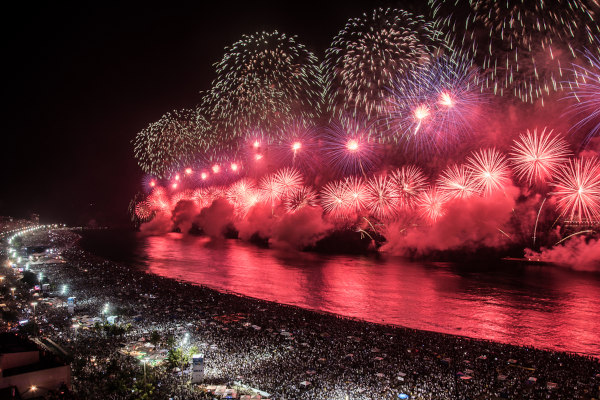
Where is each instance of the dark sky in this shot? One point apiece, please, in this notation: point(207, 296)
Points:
point(84, 79)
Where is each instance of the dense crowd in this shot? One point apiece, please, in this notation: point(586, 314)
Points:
point(286, 351)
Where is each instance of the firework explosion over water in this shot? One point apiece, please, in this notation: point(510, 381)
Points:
point(475, 126)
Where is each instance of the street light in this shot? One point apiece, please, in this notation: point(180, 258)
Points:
point(12, 289)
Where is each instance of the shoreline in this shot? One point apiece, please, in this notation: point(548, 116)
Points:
point(337, 354)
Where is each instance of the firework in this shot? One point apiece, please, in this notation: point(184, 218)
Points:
point(523, 44)
point(435, 105)
point(535, 157)
point(577, 190)
point(302, 197)
point(159, 200)
point(334, 198)
point(382, 197)
point(355, 193)
point(489, 170)
point(366, 55)
point(349, 147)
point(287, 180)
point(262, 80)
point(456, 182)
point(173, 142)
point(143, 211)
point(239, 191)
point(297, 145)
point(585, 90)
point(431, 204)
point(410, 182)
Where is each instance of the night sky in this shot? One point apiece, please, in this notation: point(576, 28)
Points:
point(83, 80)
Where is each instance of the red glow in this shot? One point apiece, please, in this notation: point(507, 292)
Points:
point(216, 168)
point(177, 177)
point(296, 146)
point(352, 145)
point(152, 183)
point(204, 175)
point(422, 112)
point(174, 186)
point(256, 144)
point(188, 171)
point(258, 157)
point(446, 100)
point(234, 167)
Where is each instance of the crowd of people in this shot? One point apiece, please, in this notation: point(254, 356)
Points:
point(288, 352)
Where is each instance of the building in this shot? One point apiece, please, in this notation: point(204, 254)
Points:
point(29, 371)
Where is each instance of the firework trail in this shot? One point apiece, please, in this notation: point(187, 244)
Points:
point(577, 190)
point(366, 55)
point(489, 170)
point(523, 44)
point(535, 157)
point(262, 80)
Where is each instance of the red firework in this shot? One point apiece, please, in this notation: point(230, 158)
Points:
point(489, 170)
point(159, 200)
point(431, 204)
point(303, 197)
point(268, 189)
point(143, 211)
point(355, 193)
point(334, 198)
point(456, 182)
point(287, 180)
point(382, 197)
point(536, 157)
point(410, 182)
point(180, 196)
point(577, 190)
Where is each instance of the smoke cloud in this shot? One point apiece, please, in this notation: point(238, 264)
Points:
point(577, 253)
point(467, 223)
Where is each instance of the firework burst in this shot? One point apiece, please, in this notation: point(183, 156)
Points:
point(410, 182)
point(299, 198)
point(535, 157)
point(585, 90)
point(334, 198)
point(173, 142)
point(382, 197)
point(577, 190)
point(523, 44)
point(435, 105)
point(431, 204)
point(367, 54)
point(262, 80)
point(456, 182)
point(489, 170)
point(349, 147)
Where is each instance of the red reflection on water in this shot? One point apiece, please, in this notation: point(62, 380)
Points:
point(546, 307)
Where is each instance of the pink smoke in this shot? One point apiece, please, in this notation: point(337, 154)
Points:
point(471, 222)
point(576, 253)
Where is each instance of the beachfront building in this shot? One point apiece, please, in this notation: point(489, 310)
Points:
point(27, 371)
